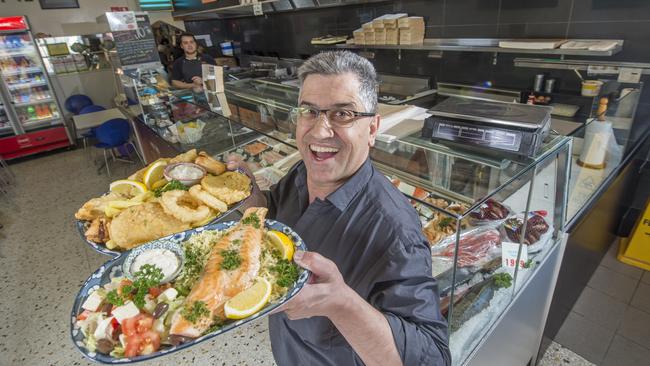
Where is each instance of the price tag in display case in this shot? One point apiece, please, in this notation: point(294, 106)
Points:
point(257, 9)
point(509, 256)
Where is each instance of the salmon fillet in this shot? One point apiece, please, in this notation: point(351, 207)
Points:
point(217, 285)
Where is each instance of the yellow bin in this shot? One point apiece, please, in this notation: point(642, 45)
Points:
point(636, 250)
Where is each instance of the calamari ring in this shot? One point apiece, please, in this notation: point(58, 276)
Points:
point(170, 201)
point(209, 200)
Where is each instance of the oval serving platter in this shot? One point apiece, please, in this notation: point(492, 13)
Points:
point(82, 226)
point(114, 268)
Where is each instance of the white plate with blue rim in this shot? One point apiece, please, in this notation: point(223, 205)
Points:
point(115, 268)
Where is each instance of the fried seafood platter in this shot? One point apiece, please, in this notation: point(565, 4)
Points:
point(168, 196)
point(180, 290)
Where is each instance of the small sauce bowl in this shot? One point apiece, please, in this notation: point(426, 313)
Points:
point(169, 174)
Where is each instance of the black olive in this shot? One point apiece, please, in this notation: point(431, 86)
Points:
point(106, 308)
point(160, 310)
point(104, 346)
point(176, 340)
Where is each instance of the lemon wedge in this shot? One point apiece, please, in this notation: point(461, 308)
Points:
point(250, 301)
point(159, 183)
point(282, 243)
point(127, 187)
point(154, 173)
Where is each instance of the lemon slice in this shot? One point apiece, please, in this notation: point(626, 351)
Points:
point(154, 173)
point(281, 242)
point(127, 187)
point(250, 301)
point(159, 183)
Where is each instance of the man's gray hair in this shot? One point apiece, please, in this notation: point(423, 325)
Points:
point(342, 62)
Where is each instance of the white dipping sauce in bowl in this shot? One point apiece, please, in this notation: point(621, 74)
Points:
point(186, 171)
point(164, 259)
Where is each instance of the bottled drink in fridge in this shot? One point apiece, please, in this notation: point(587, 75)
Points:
point(31, 112)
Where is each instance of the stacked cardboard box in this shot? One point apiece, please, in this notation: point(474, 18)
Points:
point(391, 29)
point(359, 36)
point(411, 30)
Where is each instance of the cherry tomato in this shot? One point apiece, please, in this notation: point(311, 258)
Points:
point(155, 291)
point(144, 324)
point(133, 343)
point(84, 315)
point(138, 324)
point(150, 343)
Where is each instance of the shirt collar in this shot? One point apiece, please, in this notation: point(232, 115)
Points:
point(344, 195)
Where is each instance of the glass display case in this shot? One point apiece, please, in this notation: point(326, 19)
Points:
point(489, 233)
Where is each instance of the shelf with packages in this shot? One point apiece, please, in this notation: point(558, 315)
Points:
point(486, 45)
point(472, 208)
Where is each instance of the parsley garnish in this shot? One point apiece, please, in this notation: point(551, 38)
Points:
point(231, 259)
point(112, 297)
point(147, 277)
point(196, 311)
point(502, 280)
point(252, 219)
point(173, 185)
point(287, 273)
point(216, 324)
point(445, 221)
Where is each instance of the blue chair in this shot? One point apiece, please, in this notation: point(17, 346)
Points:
point(91, 133)
point(112, 134)
point(77, 102)
point(91, 109)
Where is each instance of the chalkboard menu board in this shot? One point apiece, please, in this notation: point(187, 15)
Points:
point(136, 47)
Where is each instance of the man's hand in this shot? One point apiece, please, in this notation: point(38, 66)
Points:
point(325, 293)
point(197, 81)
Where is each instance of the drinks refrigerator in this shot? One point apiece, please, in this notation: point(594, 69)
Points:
point(31, 119)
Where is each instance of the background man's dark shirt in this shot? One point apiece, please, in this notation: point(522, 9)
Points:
point(369, 229)
point(184, 69)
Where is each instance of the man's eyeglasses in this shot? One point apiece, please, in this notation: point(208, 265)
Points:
point(337, 117)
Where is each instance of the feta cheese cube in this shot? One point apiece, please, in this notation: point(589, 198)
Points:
point(149, 304)
point(93, 302)
point(128, 310)
point(168, 295)
point(104, 329)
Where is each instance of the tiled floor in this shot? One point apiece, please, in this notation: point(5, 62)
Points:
point(610, 323)
point(43, 263)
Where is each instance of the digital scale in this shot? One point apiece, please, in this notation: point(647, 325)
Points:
point(513, 128)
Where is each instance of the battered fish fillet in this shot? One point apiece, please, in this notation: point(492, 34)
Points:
point(94, 208)
point(187, 157)
point(210, 164)
point(216, 285)
point(142, 223)
point(229, 187)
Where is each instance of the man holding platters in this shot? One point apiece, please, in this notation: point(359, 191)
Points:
point(372, 299)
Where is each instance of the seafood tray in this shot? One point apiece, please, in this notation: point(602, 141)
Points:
point(116, 269)
point(82, 226)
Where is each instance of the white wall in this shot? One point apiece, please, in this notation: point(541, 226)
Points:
point(52, 21)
